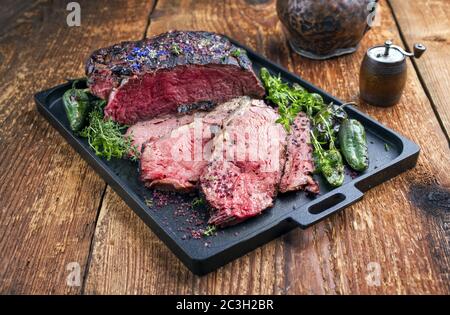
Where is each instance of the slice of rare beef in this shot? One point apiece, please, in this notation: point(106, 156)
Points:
point(299, 165)
point(246, 165)
point(171, 72)
point(159, 127)
point(175, 162)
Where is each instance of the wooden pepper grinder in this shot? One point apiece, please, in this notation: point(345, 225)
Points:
point(383, 73)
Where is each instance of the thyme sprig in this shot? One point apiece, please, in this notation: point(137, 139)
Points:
point(105, 136)
point(290, 100)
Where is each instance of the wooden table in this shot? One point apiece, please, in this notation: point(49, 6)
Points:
point(57, 214)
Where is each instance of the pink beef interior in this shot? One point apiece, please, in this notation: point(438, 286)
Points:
point(162, 92)
point(165, 169)
point(246, 165)
point(175, 161)
point(156, 128)
point(299, 162)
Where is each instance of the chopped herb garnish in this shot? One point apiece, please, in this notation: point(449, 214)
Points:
point(176, 49)
point(198, 202)
point(386, 147)
point(210, 230)
point(236, 53)
point(149, 202)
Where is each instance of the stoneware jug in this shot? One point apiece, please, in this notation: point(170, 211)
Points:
point(321, 29)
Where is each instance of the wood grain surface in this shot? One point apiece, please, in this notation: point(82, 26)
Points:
point(400, 225)
point(49, 196)
point(55, 209)
point(428, 22)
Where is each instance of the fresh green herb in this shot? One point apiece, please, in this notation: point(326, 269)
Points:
point(386, 147)
point(210, 230)
point(105, 135)
point(326, 123)
point(290, 100)
point(236, 53)
point(176, 50)
point(198, 202)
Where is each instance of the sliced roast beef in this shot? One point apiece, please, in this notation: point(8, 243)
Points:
point(159, 127)
point(299, 162)
point(177, 160)
point(171, 72)
point(246, 165)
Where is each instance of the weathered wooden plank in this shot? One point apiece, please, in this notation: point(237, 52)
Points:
point(399, 226)
point(11, 9)
point(49, 196)
point(428, 22)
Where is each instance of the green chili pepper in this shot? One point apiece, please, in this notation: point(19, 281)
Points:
point(352, 139)
point(332, 167)
point(328, 162)
point(76, 105)
point(327, 121)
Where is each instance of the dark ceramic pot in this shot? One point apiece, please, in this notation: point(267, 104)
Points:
point(321, 29)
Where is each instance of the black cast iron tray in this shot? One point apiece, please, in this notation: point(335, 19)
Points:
point(290, 210)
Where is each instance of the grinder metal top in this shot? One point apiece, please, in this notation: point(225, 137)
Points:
point(389, 53)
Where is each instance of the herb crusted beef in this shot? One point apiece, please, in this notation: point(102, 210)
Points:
point(169, 73)
point(158, 127)
point(175, 162)
point(246, 165)
point(237, 152)
point(299, 162)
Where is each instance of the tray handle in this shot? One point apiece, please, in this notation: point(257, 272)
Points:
point(326, 206)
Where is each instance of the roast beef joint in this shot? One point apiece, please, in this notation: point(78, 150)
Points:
point(169, 73)
point(197, 121)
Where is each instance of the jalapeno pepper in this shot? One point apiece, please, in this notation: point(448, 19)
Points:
point(352, 139)
point(332, 168)
point(76, 105)
point(328, 162)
